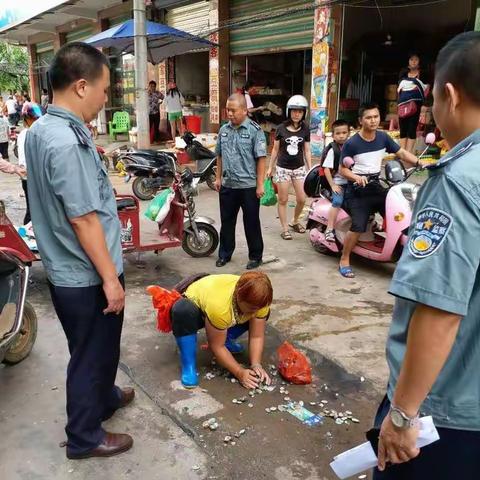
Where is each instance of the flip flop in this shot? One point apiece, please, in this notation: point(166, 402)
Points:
point(286, 236)
point(297, 227)
point(346, 272)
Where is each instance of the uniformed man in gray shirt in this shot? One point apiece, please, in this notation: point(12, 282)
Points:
point(241, 156)
point(433, 348)
point(77, 229)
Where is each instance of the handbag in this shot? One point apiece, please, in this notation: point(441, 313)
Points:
point(407, 109)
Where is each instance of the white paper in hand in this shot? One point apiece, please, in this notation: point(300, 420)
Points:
point(363, 457)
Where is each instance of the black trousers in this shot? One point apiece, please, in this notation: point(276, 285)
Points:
point(27, 217)
point(94, 345)
point(4, 150)
point(455, 455)
point(154, 127)
point(187, 318)
point(231, 200)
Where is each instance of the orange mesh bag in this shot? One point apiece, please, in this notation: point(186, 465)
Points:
point(163, 301)
point(293, 365)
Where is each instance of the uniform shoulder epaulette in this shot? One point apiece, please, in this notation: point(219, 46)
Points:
point(256, 125)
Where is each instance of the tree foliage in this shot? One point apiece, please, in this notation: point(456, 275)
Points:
point(13, 67)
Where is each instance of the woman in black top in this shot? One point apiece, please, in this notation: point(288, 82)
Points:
point(291, 152)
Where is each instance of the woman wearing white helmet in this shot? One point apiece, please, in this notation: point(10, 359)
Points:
point(291, 153)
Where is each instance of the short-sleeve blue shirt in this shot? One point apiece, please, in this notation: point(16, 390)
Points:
point(240, 148)
point(440, 267)
point(66, 179)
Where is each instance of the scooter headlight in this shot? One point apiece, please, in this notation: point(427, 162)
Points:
point(410, 194)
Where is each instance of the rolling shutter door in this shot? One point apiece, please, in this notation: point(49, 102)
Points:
point(79, 34)
point(293, 31)
point(191, 18)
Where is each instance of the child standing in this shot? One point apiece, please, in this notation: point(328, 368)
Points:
point(174, 102)
point(331, 163)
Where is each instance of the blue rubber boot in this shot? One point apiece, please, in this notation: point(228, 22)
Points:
point(232, 334)
point(188, 357)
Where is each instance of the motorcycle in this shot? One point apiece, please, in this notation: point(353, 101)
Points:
point(18, 321)
point(182, 226)
point(206, 171)
point(385, 243)
point(148, 167)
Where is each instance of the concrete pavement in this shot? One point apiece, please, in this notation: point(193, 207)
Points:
point(340, 323)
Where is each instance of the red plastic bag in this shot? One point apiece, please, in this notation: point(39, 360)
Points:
point(163, 301)
point(293, 365)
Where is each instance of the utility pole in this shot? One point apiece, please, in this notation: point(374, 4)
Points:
point(141, 74)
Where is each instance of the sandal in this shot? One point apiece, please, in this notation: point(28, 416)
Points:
point(346, 272)
point(329, 236)
point(286, 235)
point(297, 227)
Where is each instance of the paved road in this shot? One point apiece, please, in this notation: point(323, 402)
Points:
point(341, 325)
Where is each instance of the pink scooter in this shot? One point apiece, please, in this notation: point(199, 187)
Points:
point(383, 244)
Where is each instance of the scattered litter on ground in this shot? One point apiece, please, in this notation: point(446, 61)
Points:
point(293, 365)
point(211, 423)
point(305, 416)
point(361, 477)
point(362, 379)
point(195, 468)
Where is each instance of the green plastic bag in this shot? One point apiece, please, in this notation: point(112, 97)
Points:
point(159, 207)
point(269, 197)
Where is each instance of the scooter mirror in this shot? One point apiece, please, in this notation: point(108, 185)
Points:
point(395, 171)
point(430, 139)
point(348, 162)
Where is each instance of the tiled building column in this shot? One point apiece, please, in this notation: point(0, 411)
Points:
point(219, 63)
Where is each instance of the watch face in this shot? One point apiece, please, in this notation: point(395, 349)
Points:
point(397, 419)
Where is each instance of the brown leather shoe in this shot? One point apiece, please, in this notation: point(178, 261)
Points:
point(128, 394)
point(113, 444)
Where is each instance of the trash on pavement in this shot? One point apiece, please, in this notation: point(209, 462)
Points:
point(305, 416)
point(293, 365)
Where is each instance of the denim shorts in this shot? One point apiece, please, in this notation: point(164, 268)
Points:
point(337, 199)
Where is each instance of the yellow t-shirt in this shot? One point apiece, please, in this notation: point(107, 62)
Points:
point(214, 296)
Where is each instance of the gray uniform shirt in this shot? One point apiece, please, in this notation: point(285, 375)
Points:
point(240, 148)
point(66, 179)
point(440, 268)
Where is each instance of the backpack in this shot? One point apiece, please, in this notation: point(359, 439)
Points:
point(316, 183)
point(337, 151)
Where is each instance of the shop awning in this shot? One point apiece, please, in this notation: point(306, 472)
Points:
point(162, 41)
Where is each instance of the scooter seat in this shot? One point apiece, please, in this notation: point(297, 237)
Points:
point(123, 203)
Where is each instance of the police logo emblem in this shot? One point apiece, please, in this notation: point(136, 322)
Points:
point(430, 229)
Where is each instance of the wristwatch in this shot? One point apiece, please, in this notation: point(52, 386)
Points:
point(401, 420)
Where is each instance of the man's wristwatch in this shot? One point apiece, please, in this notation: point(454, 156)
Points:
point(401, 420)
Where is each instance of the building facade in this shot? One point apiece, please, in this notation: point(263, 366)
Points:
point(336, 56)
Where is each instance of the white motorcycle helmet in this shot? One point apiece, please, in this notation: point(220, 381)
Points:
point(297, 102)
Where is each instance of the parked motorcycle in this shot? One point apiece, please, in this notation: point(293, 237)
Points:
point(205, 158)
point(148, 167)
point(18, 321)
point(182, 226)
point(385, 243)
